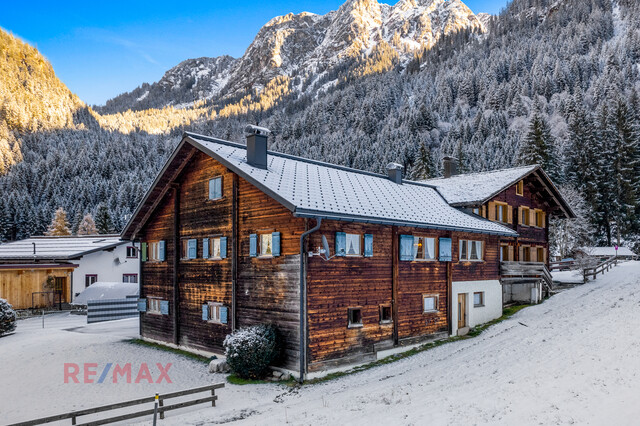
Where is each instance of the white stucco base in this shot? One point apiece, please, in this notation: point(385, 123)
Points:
point(476, 315)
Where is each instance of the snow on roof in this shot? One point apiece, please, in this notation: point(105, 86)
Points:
point(315, 189)
point(106, 290)
point(57, 248)
point(477, 187)
point(607, 251)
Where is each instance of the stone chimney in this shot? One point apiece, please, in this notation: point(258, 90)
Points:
point(256, 145)
point(394, 171)
point(450, 165)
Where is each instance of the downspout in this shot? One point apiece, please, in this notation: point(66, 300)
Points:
point(303, 299)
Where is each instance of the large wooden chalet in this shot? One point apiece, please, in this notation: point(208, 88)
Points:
point(232, 235)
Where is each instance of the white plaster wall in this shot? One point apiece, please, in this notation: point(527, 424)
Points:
point(103, 263)
point(492, 308)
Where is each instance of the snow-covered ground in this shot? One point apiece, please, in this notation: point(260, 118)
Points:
point(573, 359)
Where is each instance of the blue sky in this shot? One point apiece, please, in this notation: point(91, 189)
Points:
point(101, 49)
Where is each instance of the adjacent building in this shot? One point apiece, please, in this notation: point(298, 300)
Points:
point(39, 271)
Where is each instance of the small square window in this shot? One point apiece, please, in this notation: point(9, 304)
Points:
point(215, 188)
point(153, 306)
point(214, 248)
point(385, 314)
point(478, 299)
point(214, 312)
point(132, 252)
point(355, 317)
point(430, 303)
point(129, 278)
point(90, 279)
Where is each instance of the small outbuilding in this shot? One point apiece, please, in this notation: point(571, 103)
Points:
point(42, 271)
point(607, 252)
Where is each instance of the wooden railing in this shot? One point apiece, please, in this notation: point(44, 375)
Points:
point(73, 415)
point(601, 267)
point(563, 265)
point(514, 272)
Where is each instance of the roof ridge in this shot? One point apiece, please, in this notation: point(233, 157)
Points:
point(306, 160)
point(485, 172)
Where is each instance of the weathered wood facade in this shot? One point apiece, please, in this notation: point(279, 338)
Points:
point(355, 305)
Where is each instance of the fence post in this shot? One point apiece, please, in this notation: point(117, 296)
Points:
point(213, 392)
point(161, 404)
point(155, 411)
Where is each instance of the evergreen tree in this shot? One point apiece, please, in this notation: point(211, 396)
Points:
point(103, 222)
point(59, 225)
point(424, 167)
point(87, 226)
point(537, 146)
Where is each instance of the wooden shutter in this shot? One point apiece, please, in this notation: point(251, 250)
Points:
point(212, 189)
point(521, 254)
point(164, 307)
point(162, 251)
point(218, 188)
point(532, 217)
point(205, 312)
point(275, 244)
point(544, 219)
point(205, 248)
point(492, 211)
point(445, 247)
point(142, 305)
point(406, 247)
point(341, 243)
point(509, 214)
point(519, 221)
point(223, 247)
point(368, 245)
point(533, 254)
point(192, 246)
point(144, 252)
point(224, 314)
point(484, 211)
point(253, 245)
point(511, 258)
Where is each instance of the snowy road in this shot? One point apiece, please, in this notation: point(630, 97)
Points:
point(574, 359)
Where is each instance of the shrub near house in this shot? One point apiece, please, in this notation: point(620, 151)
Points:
point(7, 318)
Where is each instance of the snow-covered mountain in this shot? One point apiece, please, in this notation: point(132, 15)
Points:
point(299, 45)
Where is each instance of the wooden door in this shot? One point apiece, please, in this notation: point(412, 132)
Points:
point(61, 288)
point(462, 310)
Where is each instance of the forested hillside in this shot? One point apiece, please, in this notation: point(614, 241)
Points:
point(550, 82)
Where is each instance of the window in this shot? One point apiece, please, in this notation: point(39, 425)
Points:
point(132, 252)
point(266, 244)
point(90, 279)
point(502, 213)
point(214, 248)
point(129, 278)
point(478, 299)
point(526, 254)
point(215, 188)
point(385, 314)
point(520, 188)
point(506, 253)
point(355, 317)
point(526, 215)
point(155, 251)
point(154, 306)
point(424, 248)
point(470, 250)
point(539, 218)
point(476, 210)
point(189, 249)
point(353, 245)
point(429, 303)
point(540, 254)
point(214, 312)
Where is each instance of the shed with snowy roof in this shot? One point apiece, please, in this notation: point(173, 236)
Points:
point(41, 271)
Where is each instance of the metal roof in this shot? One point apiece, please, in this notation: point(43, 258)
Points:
point(57, 248)
point(316, 189)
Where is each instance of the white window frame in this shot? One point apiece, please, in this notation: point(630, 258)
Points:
point(129, 276)
point(357, 238)
point(465, 255)
point(268, 237)
point(212, 245)
point(481, 302)
point(436, 301)
point(135, 252)
point(432, 251)
point(92, 277)
point(214, 312)
point(153, 305)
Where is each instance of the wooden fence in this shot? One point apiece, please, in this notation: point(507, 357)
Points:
point(112, 309)
point(601, 267)
point(147, 412)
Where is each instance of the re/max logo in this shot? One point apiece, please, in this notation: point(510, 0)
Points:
point(124, 373)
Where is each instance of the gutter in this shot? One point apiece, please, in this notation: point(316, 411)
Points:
point(303, 300)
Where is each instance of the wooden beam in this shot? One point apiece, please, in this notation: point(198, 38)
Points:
point(176, 261)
